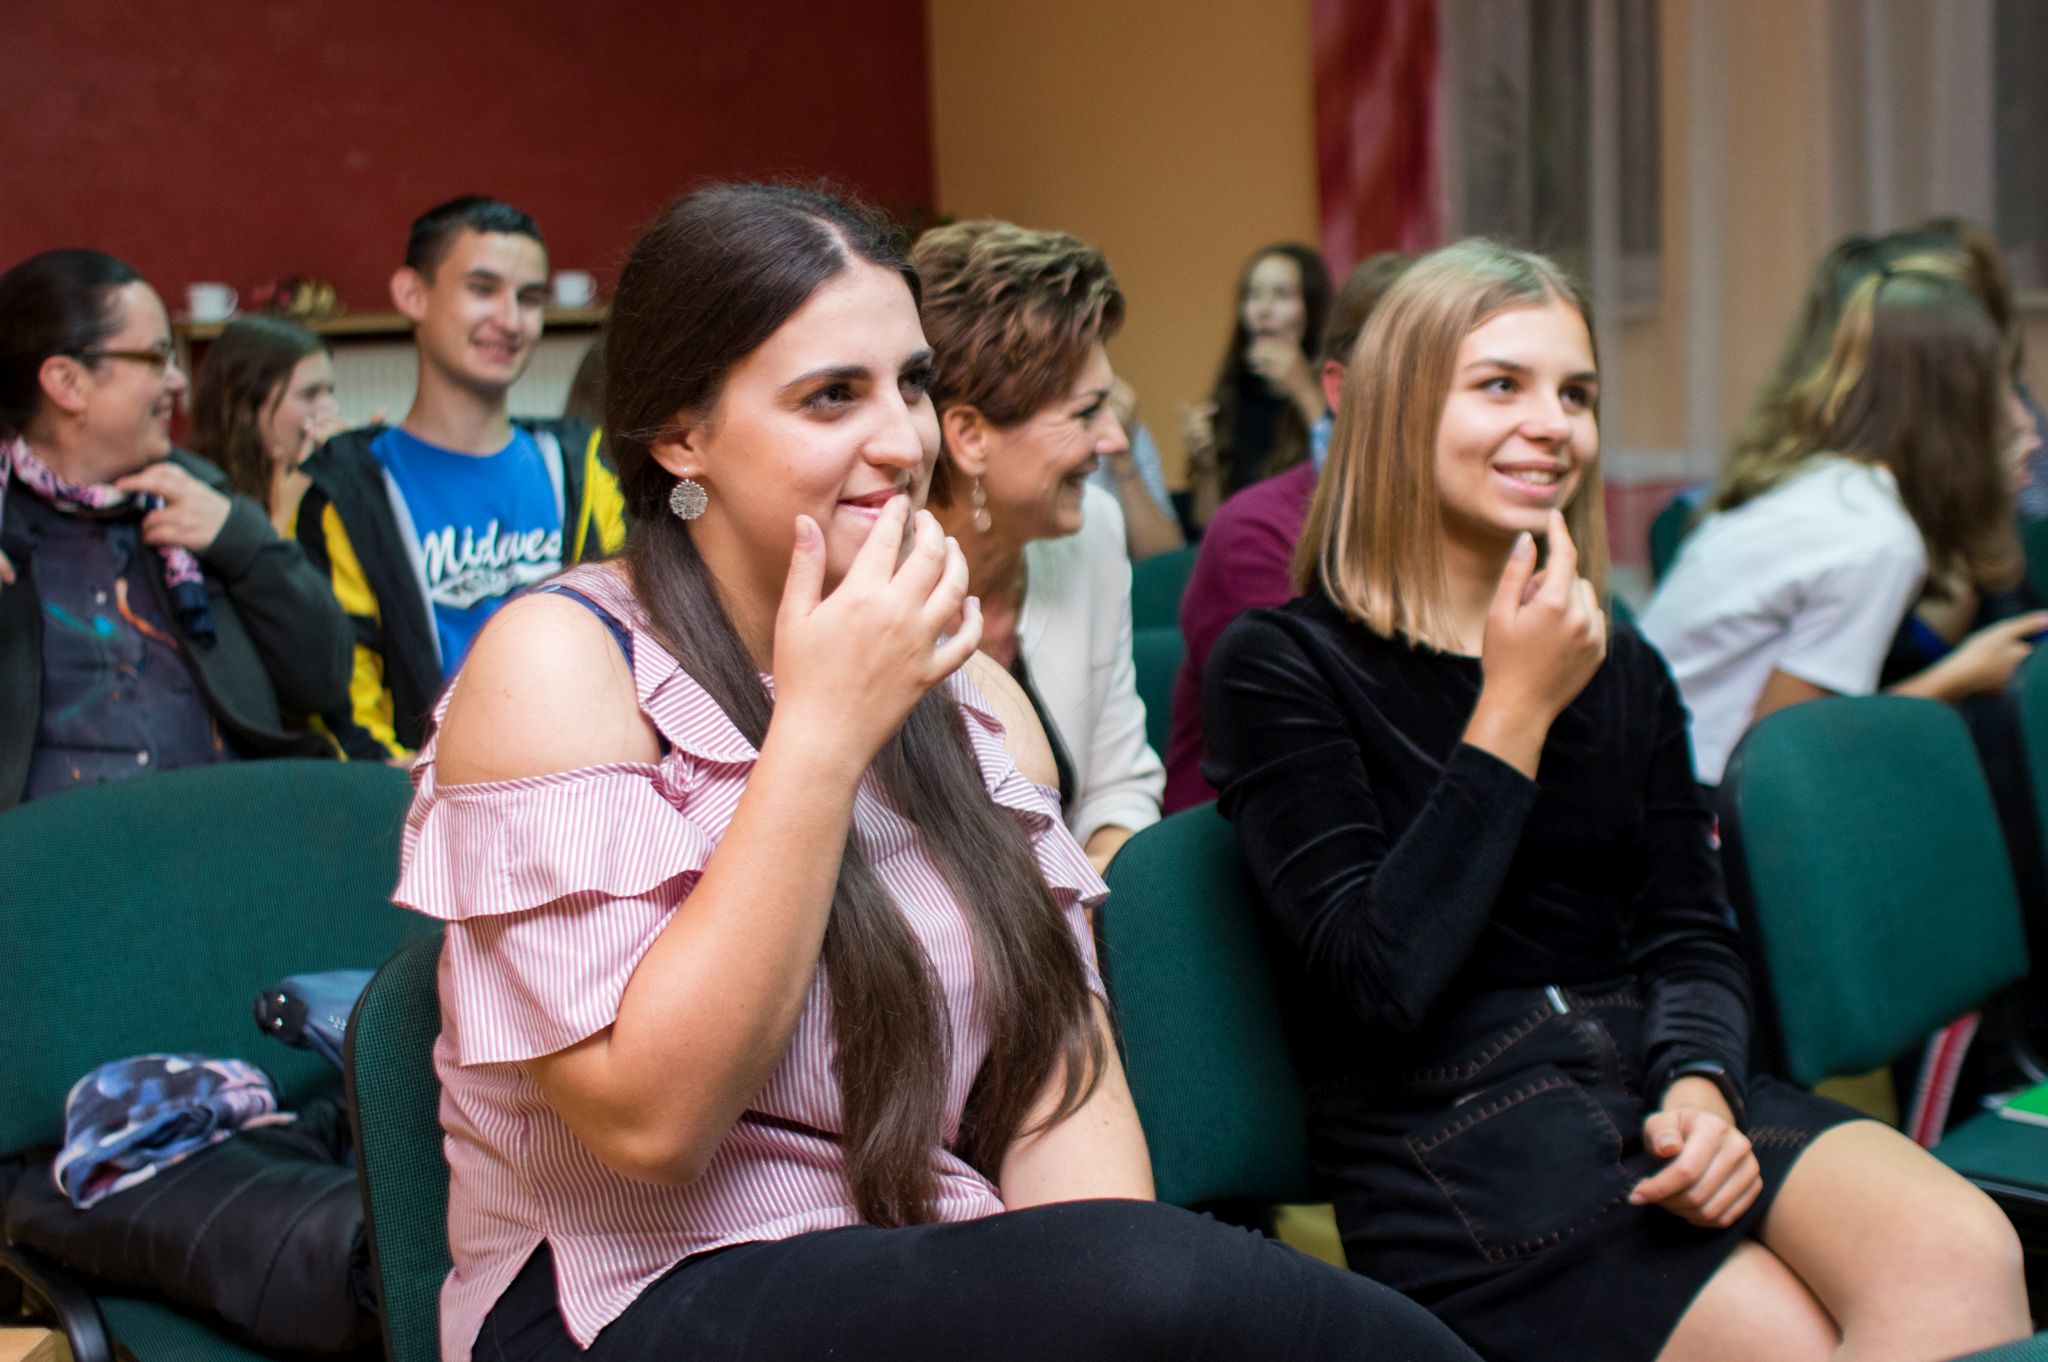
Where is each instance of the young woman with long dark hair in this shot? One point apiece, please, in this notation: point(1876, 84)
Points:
point(1529, 1063)
point(1266, 400)
point(770, 1025)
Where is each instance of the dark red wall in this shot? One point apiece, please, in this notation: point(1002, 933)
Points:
point(246, 140)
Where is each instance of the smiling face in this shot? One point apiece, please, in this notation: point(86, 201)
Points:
point(1034, 471)
point(830, 417)
point(307, 394)
point(1518, 432)
point(120, 407)
point(477, 314)
point(1273, 306)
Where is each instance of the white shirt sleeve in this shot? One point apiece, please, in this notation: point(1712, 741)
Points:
point(1847, 616)
point(1120, 778)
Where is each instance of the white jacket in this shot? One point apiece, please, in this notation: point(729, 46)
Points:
point(1075, 635)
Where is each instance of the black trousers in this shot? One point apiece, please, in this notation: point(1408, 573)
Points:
point(1075, 1280)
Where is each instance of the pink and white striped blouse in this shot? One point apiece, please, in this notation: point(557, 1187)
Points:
point(552, 887)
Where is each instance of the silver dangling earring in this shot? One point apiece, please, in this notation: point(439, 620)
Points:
point(687, 499)
point(979, 499)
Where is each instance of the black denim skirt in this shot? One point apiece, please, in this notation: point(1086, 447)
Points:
point(1489, 1181)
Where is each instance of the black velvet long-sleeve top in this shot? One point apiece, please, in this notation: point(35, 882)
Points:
point(1409, 873)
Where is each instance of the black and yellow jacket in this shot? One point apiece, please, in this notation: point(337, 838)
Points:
point(354, 528)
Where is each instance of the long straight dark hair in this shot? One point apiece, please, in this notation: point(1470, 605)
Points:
point(714, 276)
point(1235, 379)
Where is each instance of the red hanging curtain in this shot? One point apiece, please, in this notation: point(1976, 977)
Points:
point(1376, 127)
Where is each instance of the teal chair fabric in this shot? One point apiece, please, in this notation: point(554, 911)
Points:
point(1865, 850)
point(1156, 653)
point(2028, 694)
point(1670, 527)
point(2033, 1349)
point(394, 1101)
point(1883, 899)
point(1208, 1059)
point(1156, 586)
point(147, 915)
point(2034, 541)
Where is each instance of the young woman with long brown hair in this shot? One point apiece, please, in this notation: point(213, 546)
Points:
point(770, 1024)
point(262, 403)
point(1882, 472)
point(1527, 1013)
point(1266, 399)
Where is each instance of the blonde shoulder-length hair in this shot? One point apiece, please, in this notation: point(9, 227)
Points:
point(1373, 541)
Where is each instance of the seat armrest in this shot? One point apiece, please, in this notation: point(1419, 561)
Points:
point(67, 1298)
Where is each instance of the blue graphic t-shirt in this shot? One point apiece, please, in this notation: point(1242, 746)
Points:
point(488, 525)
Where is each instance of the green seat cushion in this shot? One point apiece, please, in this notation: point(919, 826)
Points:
point(1990, 1149)
point(1156, 586)
point(155, 1332)
point(1156, 654)
point(1207, 1056)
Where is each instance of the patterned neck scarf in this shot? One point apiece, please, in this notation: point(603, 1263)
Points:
point(182, 577)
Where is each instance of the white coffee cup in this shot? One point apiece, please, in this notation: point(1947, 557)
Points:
point(211, 302)
point(574, 288)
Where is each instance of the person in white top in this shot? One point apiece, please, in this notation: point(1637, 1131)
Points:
point(1877, 474)
point(1017, 321)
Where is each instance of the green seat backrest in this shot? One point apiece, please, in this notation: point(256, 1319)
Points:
point(1883, 901)
point(1670, 527)
point(2034, 541)
point(2028, 694)
point(1156, 653)
point(1156, 586)
point(1195, 1003)
point(394, 1101)
point(147, 915)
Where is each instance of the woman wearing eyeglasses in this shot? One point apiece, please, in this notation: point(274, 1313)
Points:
point(150, 618)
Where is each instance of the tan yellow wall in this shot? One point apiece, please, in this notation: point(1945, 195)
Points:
point(1176, 135)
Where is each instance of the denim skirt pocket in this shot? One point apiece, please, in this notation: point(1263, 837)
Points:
point(1526, 1163)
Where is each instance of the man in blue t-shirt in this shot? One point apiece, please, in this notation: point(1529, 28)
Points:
point(427, 527)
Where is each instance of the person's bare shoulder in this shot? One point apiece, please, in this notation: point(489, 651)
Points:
point(1023, 736)
point(544, 689)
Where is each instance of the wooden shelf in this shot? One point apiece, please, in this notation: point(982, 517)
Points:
point(392, 324)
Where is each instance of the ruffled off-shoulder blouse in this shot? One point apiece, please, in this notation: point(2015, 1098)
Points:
point(552, 888)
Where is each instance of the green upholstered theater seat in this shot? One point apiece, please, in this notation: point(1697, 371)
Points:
point(1865, 855)
point(1669, 529)
point(1208, 1060)
point(1156, 586)
point(146, 916)
point(394, 1100)
point(1156, 653)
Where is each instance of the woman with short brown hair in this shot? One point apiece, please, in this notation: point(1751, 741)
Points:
point(1018, 320)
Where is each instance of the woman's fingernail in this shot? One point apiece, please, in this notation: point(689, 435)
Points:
point(1525, 544)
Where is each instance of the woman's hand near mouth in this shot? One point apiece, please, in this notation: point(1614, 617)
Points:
point(1287, 372)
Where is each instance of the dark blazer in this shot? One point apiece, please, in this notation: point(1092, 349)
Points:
point(281, 643)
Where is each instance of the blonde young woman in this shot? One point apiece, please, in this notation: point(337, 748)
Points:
point(1884, 471)
point(1529, 1084)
